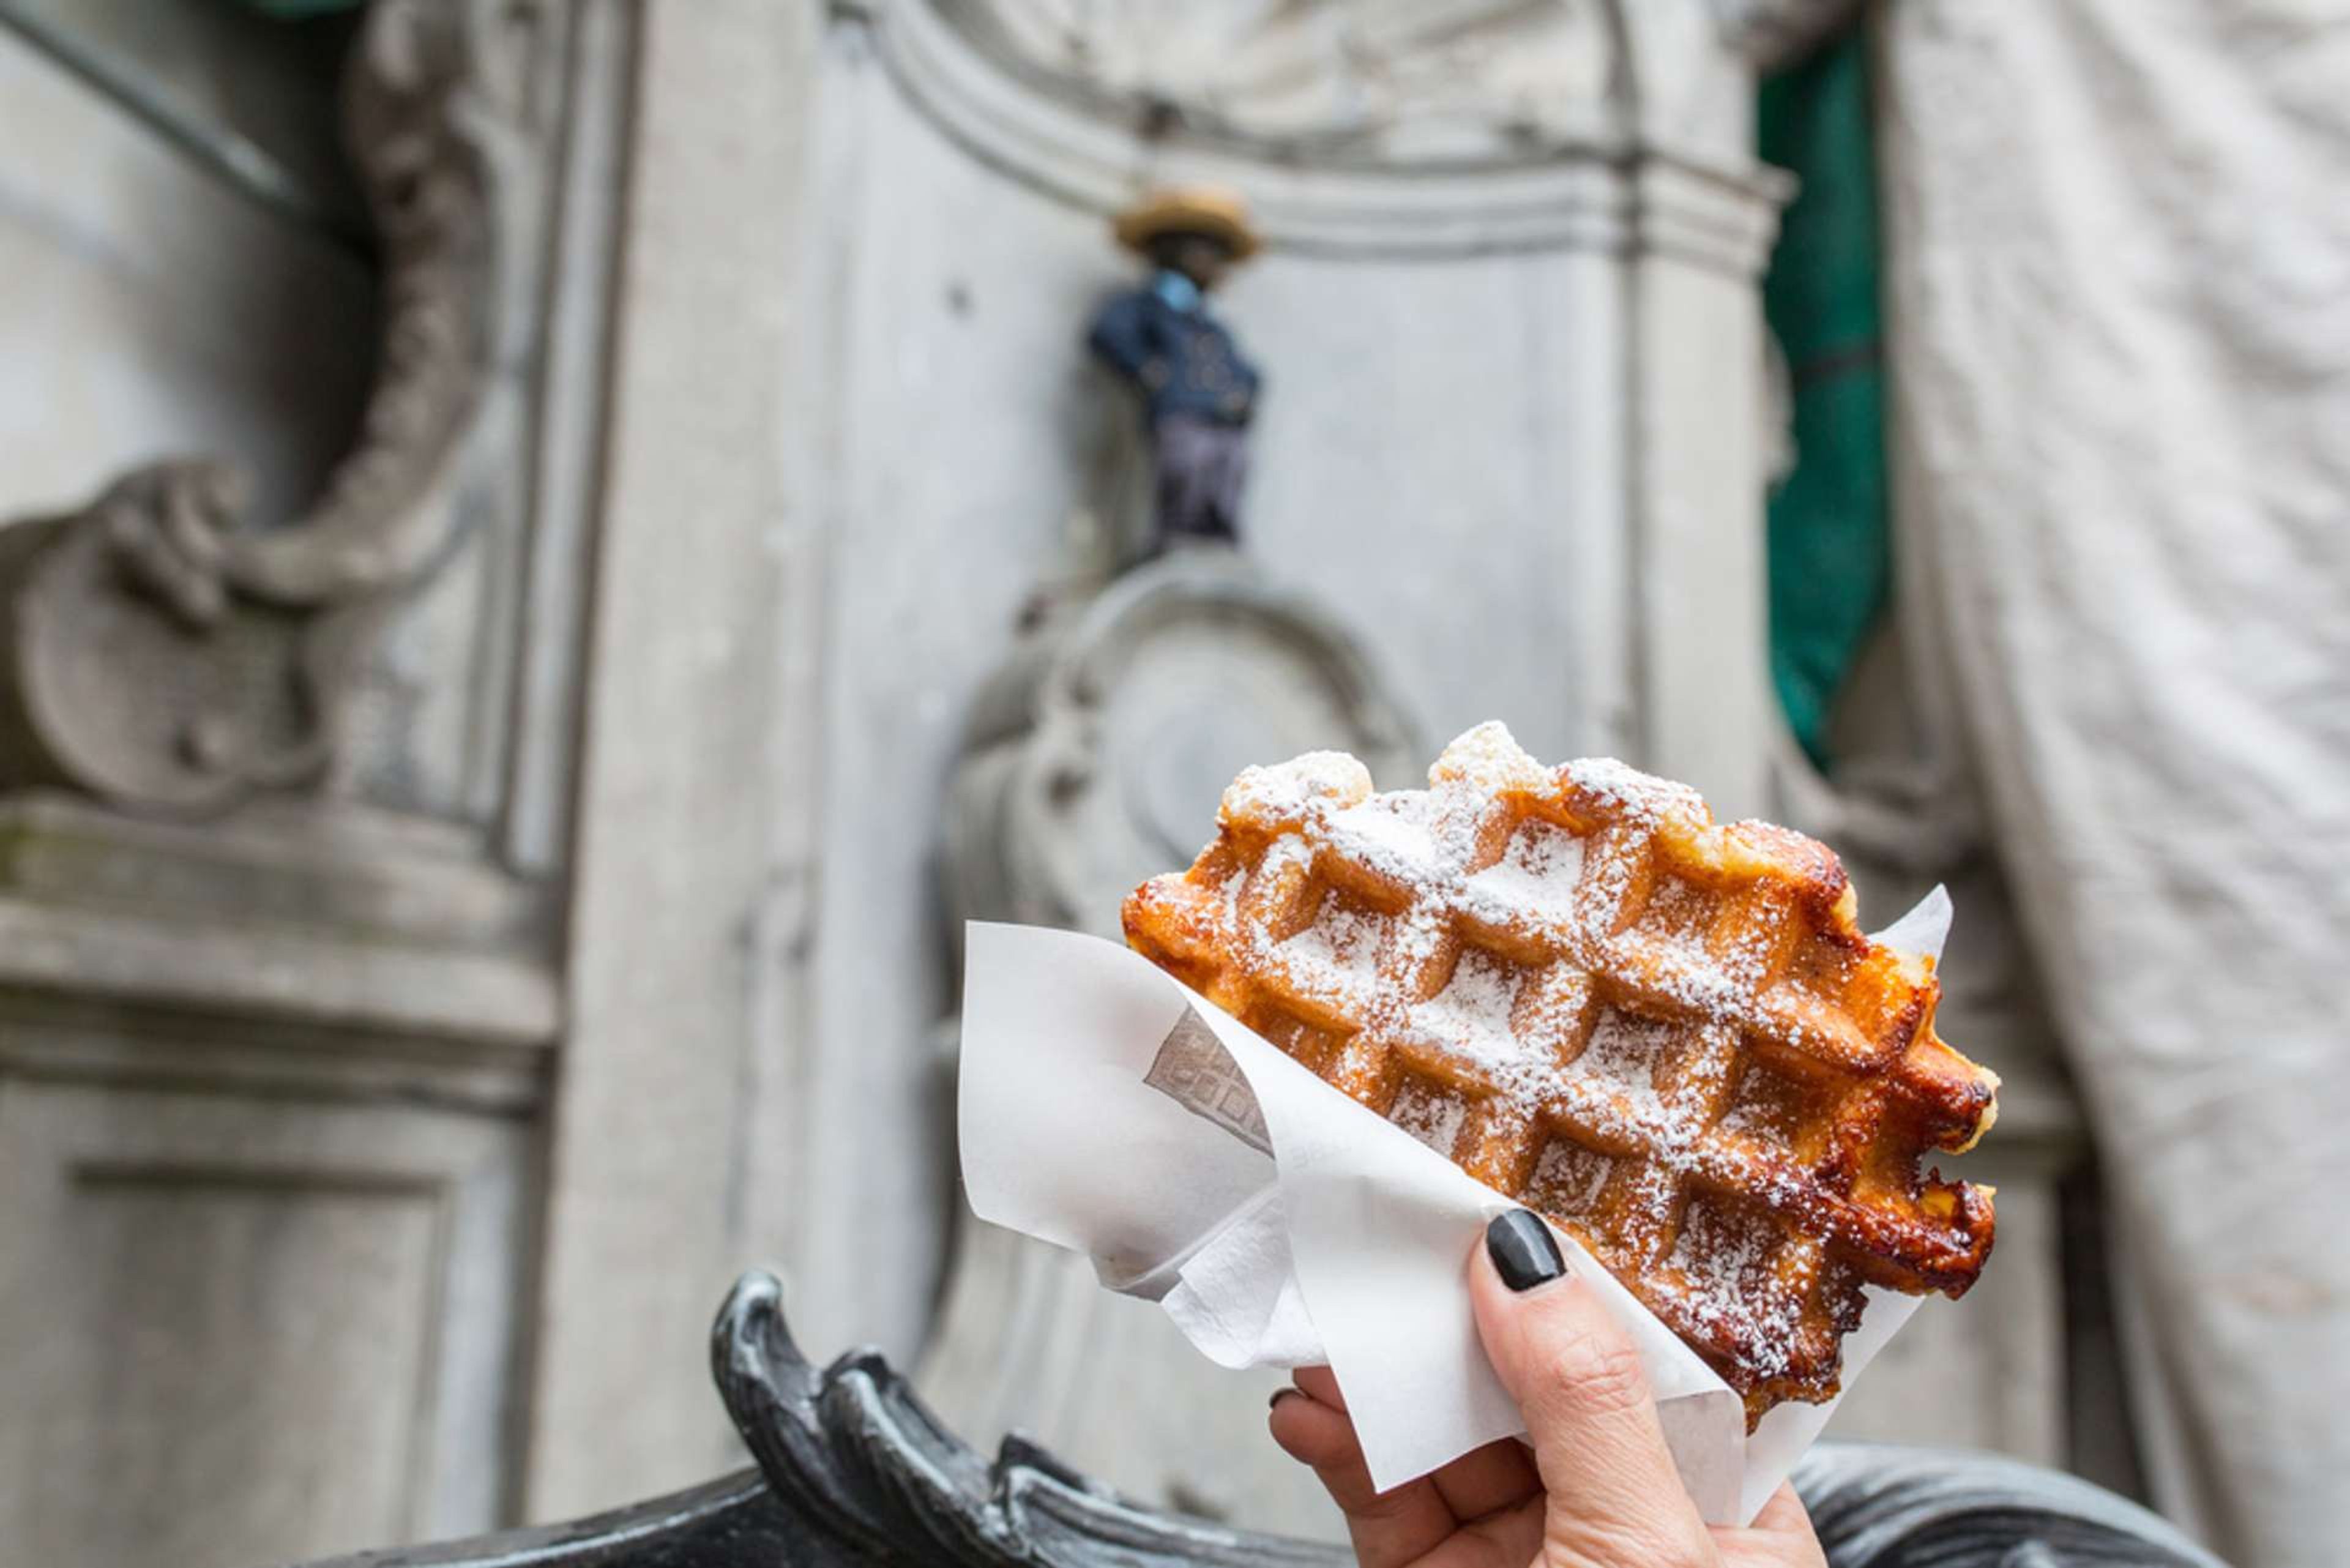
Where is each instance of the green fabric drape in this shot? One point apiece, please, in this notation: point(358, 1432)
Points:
point(1830, 564)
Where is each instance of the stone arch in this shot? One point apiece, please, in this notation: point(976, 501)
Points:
point(1435, 180)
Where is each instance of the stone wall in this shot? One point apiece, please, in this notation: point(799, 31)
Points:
point(432, 1094)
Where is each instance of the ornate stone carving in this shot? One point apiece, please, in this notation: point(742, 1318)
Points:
point(1097, 755)
point(164, 652)
point(1412, 169)
point(1336, 81)
point(1366, 184)
point(853, 1470)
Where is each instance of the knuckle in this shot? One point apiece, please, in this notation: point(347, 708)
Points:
point(1592, 1372)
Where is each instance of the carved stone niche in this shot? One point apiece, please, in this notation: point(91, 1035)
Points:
point(853, 1469)
point(164, 651)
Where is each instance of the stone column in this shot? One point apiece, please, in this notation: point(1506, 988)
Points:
point(1704, 711)
point(690, 793)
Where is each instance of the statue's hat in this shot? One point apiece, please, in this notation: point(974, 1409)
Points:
point(1210, 210)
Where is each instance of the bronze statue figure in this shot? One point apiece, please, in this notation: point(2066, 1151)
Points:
point(1199, 391)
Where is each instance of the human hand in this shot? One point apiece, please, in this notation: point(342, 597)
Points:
point(1592, 1486)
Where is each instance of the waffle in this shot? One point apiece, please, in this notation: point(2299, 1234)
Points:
point(1666, 1035)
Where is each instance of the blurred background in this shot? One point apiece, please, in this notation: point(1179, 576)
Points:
point(555, 551)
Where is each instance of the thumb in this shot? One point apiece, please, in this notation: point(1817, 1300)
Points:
point(1613, 1494)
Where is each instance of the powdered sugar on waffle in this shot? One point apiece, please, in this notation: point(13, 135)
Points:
point(1732, 1285)
point(1426, 842)
point(1623, 1054)
point(1538, 872)
point(1434, 1119)
point(1564, 980)
point(1570, 1177)
point(1511, 1029)
point(1471, 1014)
point(1287, 788)
point(1341, 943)
point(1642, 797)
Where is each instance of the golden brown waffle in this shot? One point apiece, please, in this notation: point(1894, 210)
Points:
point(1667, 1034)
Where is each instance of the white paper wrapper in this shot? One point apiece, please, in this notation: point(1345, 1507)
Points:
point(1107, 1108)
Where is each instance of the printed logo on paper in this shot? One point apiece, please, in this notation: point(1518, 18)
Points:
point(1194, 1070)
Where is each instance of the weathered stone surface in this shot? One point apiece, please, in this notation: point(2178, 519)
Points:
point(266, 1083)
point(667, 1164)
point(294, 913)
point(292, 1321)
point(813, 421)
point(172, 315)
point(168, 651)
point(1332, 81)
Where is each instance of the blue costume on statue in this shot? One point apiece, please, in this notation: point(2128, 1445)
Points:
point(1198, 390)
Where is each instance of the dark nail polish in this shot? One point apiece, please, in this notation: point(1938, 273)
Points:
point(1522, 1252)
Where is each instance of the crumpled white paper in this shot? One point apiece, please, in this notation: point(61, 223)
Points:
point(1107, 1108)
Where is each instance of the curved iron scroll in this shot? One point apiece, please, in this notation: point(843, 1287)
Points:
point(851, 1451)
point(159, 650)
point(852, 1470)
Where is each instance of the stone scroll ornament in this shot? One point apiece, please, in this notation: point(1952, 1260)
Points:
point(852, 1470)
point(163, 651)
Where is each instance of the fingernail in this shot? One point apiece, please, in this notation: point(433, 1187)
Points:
point(1278, 1395)
point(1522, 1249)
